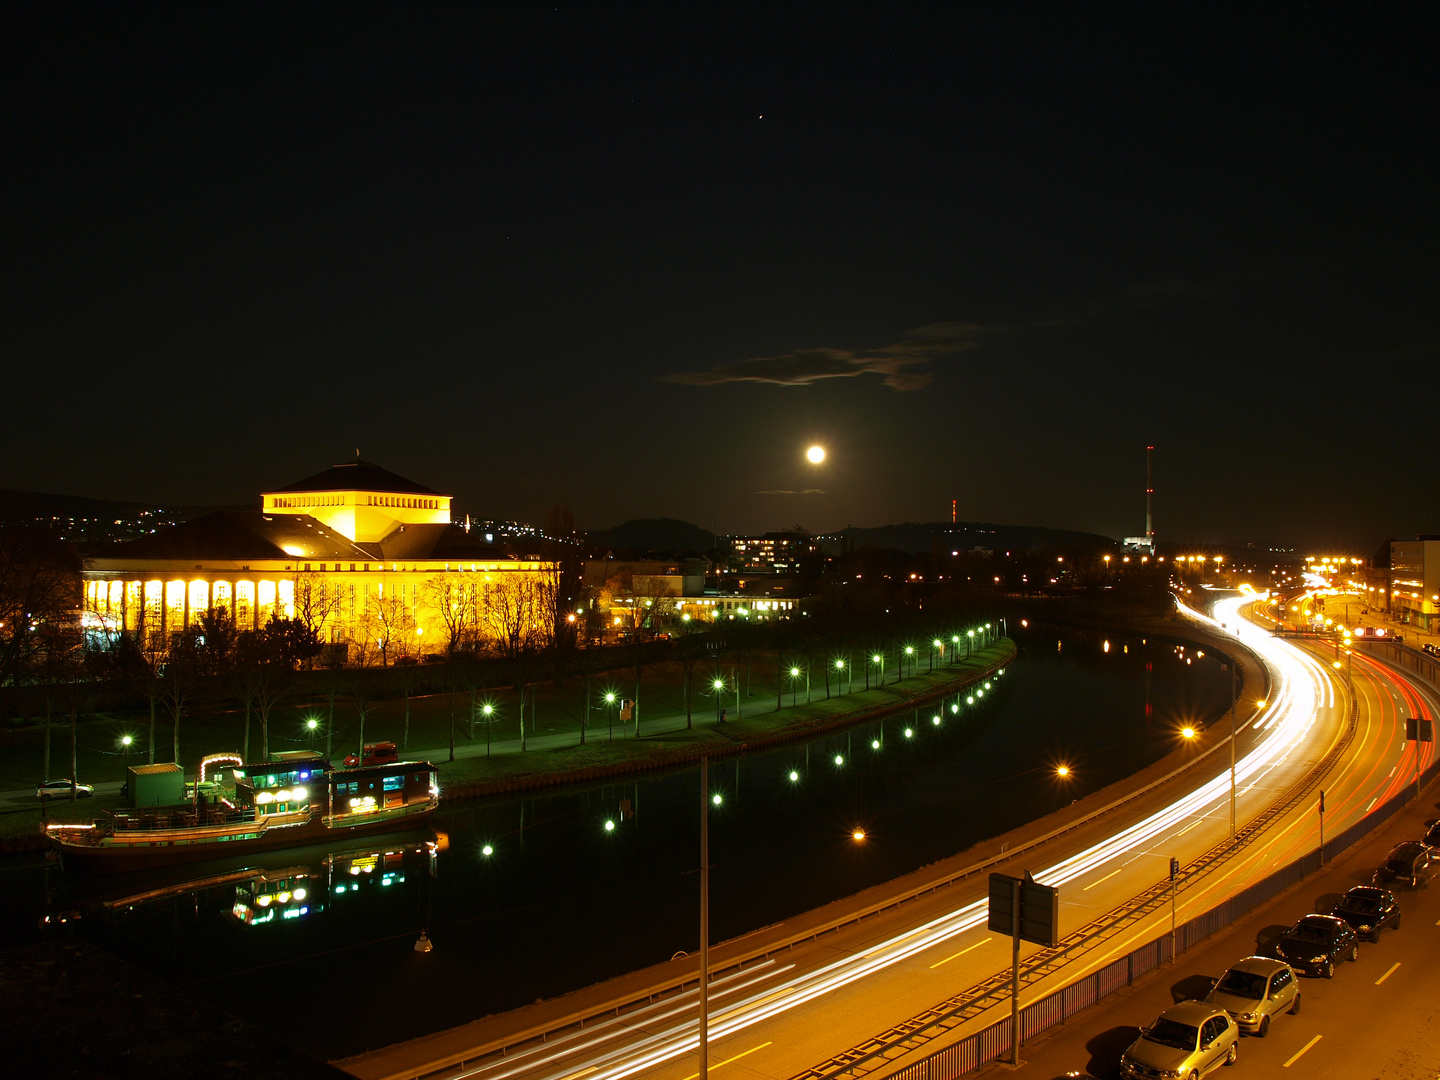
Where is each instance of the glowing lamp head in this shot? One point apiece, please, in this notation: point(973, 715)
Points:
point(858, 834)
point(716, 799)
point(609, 699)
point(1062, 771)
point(609, 826)
point(487, 709)
point(815, 455)
point(874, 744)
point(1187, 732)
point(794, 776)
point(839, 759)
point(312, 724)
point(126, 740)
point(719, 684)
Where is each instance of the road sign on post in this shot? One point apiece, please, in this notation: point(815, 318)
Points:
point(1028, 911)
point(1039, 909)
point(1418, 730)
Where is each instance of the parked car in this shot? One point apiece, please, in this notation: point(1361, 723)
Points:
point(1408, 861)
point(1433, 650)
point(1186, 1040)
point(1254, 990)
point(1369, 909)
point(1432, 837)
point(60, 789)
point(375, 754)
point(1317, 943)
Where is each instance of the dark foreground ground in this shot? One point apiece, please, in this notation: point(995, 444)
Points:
point(72, 1010)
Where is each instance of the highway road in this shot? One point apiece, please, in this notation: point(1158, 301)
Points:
point(788, 1015)
point(1376, 1019)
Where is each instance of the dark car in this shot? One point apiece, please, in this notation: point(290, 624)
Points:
point(1317, 943)
point(1432, 837)
point(1408, 862)
point(1368, 910)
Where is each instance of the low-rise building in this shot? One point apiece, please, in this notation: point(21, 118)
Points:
point(1415, 581)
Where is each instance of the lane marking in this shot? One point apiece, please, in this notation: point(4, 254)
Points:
point(1197, 821)
point(1387, 974)
point(963, 951)
point(747, 1053)
point(1107, 877)
point(1372, 804)
point(582, 1072)
point(1287, 1064)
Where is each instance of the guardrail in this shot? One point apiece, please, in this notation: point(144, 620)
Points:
point(983, 1047)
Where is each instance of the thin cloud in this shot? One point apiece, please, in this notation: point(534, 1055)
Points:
point(1168, 289)
point(901, 364)
point(806, 491)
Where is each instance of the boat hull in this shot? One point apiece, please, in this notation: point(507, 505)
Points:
point(156, 849)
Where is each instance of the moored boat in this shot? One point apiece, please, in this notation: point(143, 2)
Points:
point(277, 804)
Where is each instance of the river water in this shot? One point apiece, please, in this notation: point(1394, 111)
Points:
point(318, 946)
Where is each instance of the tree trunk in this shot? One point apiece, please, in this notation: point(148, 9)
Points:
point(74, 767)
point(47, 742)
point(264, 733)
point(245, 752)
point(827, 680)
point(585, 719)
point(452, 727)
point(175, 734)
point(152, 729)
point(405, 739)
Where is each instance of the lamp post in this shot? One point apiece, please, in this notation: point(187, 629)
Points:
point(704, 917)
point(125, 741)
point(969, 640)
point(610, 713)
point(719, 685)
point(940, 648)
point(955, 652)
point(840, 670)
point(794, 687)
point(310, 726)
point(878, 658)
point(487, 710)
point(909, 651)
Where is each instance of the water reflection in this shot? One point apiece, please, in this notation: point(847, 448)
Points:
point(542, 894)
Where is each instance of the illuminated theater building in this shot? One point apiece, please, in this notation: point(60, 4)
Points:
point(341, 550)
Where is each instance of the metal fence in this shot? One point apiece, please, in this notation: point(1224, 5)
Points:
point(993, 1042)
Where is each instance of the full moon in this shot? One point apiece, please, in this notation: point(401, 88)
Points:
point(816, 454)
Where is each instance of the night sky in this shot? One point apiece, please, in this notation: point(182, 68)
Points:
point(634, 259)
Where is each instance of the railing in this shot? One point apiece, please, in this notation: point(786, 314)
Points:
point(986, 1046)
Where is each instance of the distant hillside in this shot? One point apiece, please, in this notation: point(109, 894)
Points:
point(654, 534)
point(90, 521)
point(917, 537)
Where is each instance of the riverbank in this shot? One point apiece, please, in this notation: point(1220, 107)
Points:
point(663, 743)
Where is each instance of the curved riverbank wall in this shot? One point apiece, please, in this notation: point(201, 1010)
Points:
point(667, 758)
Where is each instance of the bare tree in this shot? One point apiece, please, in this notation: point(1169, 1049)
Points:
point(389, 623)
point(451, 596)
point(364, 696)
point(516, 611)
point(317, 603)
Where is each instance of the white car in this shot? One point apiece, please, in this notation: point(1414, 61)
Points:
point(60, 789)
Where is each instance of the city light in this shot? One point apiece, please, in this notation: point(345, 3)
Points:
point(1187, 732)
point(609, 825)
point(909, 733)
point(715, 798)
point(487, 850)
point(874, 744)
point(839, 759)
point(794, 776)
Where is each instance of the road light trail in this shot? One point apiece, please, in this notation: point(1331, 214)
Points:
point(1301, 686)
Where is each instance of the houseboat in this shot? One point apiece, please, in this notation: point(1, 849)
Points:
point(267, 806)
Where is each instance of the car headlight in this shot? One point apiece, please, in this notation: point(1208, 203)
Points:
point(1249, 1018)
point(1363, 926)
point(1319, 959)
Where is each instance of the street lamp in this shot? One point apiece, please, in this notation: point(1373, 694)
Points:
point(1187, 732)
point(840, 669)
point(955, 653)
point(310, 726)
point(969, 640)
point(125, 741)
point(719, 685)
point(879, 658)
point(909, 651)
point(794, 687)
point(487, 710)
point(1062, 771)
point(940, 647)
point(610, 712)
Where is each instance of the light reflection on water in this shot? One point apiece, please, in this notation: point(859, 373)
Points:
point(561, 901)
